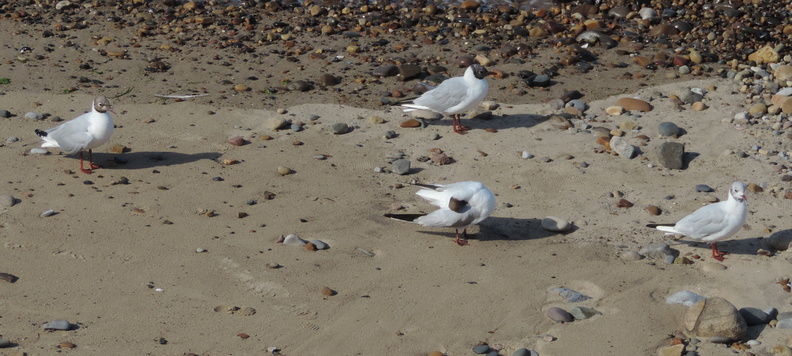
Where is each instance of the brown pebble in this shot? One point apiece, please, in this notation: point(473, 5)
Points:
point(66, 345)
point(149, 120)
point(754, 188)
point(242, 214)
point(310, 246)
point(236, 141)
point(410, 123)
point(491, 130)
point(138, 211)
point(243, 336)
point(265, 137)
point(241, 87)
point(642, 61)
point(230, 161)
point(788, 195)
point(632, 104)
point(436, 353)
point(624, 203)
point(297, 143)
point(482, 153)
point(441, 159)
point(604, 141)
point(328, 292)
point(118, 149)
point(653, 210)
point(699, 106)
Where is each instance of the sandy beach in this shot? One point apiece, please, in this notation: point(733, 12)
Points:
point(172, 247)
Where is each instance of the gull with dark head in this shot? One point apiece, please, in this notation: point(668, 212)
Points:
point(461, 205)
point(84, 132)
point(714, 222)
point(455, 96)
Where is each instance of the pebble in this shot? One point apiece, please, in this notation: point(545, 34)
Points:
point(376, 119)
point(39, 151)
point(632, 104)
point(632, 256)
point(411, 123)
point(582, 313)
point(390, 134)
point(320, 245)
point(58, 325)
point(34, 116)
point(686, 298)
point(12, 139)
point(292, 239)
point(555, 224)
point(6, 343)
point(754, 316)
point(658, 250)
point(570, 295)
point(275, 123)
point(5, 114)
point(401, 166)
point(784, 324)
point(653, 210)
point(47, 213)
point(703, 188)
point(7, 201)
point(614, 110)
point(559, 315)
point(284, 171)
point(699, 106)
point(668, 129)
point(671, 155)
point(525, 352)
point(236, 141)
point(622, 147)
point(339, 128)
point(481, 349)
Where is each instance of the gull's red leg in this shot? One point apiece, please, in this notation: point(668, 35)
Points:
point(458, 241)
point(90, 155)
point(718, 255)
point(88, 171)
point(458, 128)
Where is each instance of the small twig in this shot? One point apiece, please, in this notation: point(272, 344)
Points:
point(190, 96)
point(124, 93)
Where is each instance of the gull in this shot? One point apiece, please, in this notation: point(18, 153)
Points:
point(82, 133)
point(455, 96)
point(461, 205)
point(714, 222)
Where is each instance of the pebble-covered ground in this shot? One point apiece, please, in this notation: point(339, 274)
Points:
point(240, 210)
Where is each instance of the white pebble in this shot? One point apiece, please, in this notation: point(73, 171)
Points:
point(48, 213)
point(527, 155)
point(158, 289)
point(38, 151)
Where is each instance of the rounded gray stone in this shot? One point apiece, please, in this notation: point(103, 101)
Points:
point(754, 316)
point(34, 116)
point(481, 349)
point(703, 188)
point(58, 325)
point(339, 128)
point(559, 315)
point(320, 245)
point(668, 129)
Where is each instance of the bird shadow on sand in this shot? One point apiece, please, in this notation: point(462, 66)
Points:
point(498, 122)
point(747, 246)
point(151, 159)
point(503, 229)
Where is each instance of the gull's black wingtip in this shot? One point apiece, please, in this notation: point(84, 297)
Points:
point(404, 217)
point(654, 226)
point(41, 133)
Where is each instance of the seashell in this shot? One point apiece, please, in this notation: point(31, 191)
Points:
point(66, 345)
point(328, 292)
point(10, 278)
point(230, 309)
